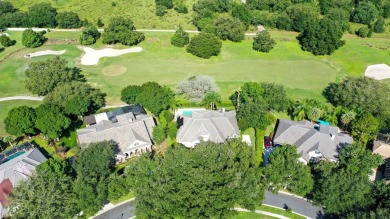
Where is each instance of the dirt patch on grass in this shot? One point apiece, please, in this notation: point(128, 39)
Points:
point(114, 70)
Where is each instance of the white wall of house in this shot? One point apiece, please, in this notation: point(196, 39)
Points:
point(302, 160)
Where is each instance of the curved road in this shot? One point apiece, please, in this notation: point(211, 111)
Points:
point(298, 205)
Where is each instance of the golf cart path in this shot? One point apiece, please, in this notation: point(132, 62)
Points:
point(35, 98)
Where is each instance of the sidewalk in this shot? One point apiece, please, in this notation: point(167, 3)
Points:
point(110, 206)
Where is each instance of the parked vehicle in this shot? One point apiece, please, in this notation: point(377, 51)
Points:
point(267, 142)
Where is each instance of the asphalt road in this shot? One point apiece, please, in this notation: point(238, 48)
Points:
point(298, 205)
point(123, 211)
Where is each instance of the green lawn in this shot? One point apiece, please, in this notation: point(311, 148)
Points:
point(142, 12)
point(7, 105)
point(280, 212)
point(251, 215)
point(303, 74)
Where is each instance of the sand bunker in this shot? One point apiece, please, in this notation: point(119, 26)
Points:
point(378, 72)
point(46, 52)
point(91, 56)
point(114, 70)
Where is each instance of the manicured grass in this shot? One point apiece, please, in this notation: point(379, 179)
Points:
point(123, 198)
point(5, 106)
point(142, 12)
point(280, 212)
point(303, 74)
point(251, 215)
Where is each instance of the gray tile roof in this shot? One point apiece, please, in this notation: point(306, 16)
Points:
point(20, 165)
point(113, 114)
point(128, 131)
point(307, 138)
point(207, 126)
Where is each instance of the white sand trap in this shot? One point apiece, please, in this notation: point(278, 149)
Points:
point(46, 52)
point(91, 56)
point(378, 71)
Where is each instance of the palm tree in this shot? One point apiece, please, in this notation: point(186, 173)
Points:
point(347, 117)
point(211, 99)
point(314, 114)
point(174, 104)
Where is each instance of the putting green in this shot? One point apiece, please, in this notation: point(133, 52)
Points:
point(114, 70)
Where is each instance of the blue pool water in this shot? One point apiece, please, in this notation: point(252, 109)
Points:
point(187, 113)
point(13, 156)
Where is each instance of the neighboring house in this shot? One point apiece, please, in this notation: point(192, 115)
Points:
point(130, 130)
point(16, 164)
point(111, 115)
point(382, 147)
point(198, 126)
point(312, 141)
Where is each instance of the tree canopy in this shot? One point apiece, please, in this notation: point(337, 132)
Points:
point(92, 165)
point(180, 38)
point(203, 182)
point(364, 13)
point(76, 97)
point(68, 19)
point(229, 28)
point(20, 121)
point(263, 42)
point(42, 15)
point(130, 93)
point(44, 76)
point(284, 171)
point(31, 39)
point(195, 88)
point(89, 35)
point(44, 195)
point(321, 37)
point(205, 45)
point(51, 120)
point(155, 97)
point(122, 30)
point(344, 187)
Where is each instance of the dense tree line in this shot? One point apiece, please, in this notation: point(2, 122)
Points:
point(66, 97)
point(203, 182)
point(38, 15)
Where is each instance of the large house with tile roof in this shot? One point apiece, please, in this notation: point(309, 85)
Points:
point(207, 125)
point(130, 130)
point(16, 164)
point(313, 141)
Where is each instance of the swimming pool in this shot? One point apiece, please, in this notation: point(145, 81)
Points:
point(187, 113)
point(13, 156)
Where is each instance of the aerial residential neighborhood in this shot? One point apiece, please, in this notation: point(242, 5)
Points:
point(195, 109)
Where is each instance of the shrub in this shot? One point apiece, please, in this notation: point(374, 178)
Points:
point(33, 39)
point(172, 130)
point(379, 26)
point(161, 10)
point(263, 42)
point(205, 45)
point(99, 23)
point(6, 41)
point(181, 8)
point(89, 35)
point(364, 32)
point(167, 3)
point(180, 38)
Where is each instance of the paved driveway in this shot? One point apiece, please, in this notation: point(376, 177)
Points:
point(298, 205)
